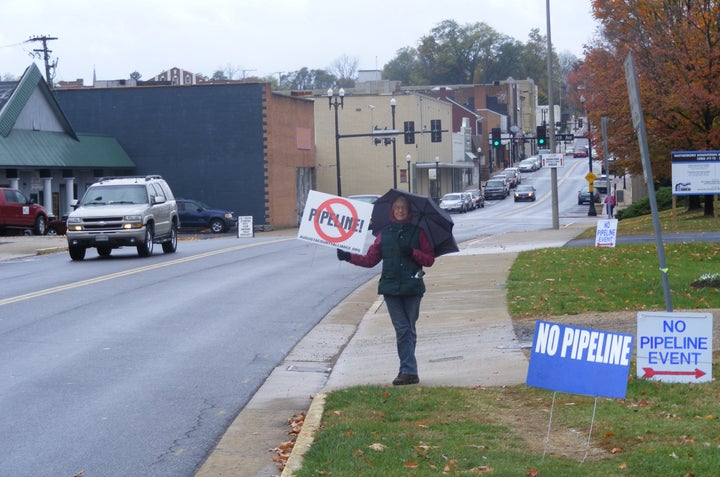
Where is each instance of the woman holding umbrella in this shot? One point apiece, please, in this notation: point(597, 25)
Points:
point(404, 249)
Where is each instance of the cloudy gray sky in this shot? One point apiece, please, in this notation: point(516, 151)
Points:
point(256, 37)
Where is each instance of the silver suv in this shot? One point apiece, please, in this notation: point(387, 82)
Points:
point(124, 211)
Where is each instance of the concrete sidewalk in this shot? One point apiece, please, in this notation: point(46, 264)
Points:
point(465, 338)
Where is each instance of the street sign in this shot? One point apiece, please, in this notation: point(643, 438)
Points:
point(564, 137)
point(552, 160)
point(590, 177)
point(675, 347)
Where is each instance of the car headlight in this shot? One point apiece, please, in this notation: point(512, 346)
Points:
point(229, 215)
point(74, 224)
point(132, 222)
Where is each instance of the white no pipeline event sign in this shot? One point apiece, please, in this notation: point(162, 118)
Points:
point(675, 347)
point(580, 360)
point(335, 222)
point(606, 233)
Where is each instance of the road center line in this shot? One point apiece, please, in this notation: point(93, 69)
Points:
point(112, 276)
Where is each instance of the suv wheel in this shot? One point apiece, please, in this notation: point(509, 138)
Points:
point(40, 224)
point(171, 245)
point(217, 226)
point(145, 249)
point(76, 253)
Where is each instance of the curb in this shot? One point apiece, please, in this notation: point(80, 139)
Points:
point(306, 436)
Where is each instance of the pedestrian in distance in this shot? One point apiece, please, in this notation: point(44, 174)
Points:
point(610, 204)
point(404, 250)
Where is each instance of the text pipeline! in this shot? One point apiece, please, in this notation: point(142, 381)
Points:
point(332, 220)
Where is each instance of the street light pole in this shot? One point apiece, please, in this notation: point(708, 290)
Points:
point(335, 102)
point(393, 103)
point(408, 158)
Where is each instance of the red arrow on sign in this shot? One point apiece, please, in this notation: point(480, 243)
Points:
point(649, 373)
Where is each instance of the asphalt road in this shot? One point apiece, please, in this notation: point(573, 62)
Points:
point(128, 366)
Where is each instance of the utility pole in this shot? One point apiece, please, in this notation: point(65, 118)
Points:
point(44, 54)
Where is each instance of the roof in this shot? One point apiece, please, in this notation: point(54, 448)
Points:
point(22, 146)
point(54, 149)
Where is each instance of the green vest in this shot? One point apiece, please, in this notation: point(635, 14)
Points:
point(399, 273)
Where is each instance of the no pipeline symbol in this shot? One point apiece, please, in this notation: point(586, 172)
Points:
point(345, 225)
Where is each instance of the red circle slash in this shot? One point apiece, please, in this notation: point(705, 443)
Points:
point(344, 234)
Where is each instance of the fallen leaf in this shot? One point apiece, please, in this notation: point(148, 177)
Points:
point(532, 473)
point(483, 469)
point(411, 465)
point(623, 465)
point(616, 450)
point(377, 447)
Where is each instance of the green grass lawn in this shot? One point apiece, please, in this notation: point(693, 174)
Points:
point(659, 429)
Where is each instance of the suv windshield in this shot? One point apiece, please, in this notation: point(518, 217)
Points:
point(119, 194)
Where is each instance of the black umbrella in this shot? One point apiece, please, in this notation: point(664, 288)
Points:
point(424, 213)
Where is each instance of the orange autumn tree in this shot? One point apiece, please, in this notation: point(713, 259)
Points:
point(676, 47)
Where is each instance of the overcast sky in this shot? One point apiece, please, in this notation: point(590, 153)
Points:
point(261, 37)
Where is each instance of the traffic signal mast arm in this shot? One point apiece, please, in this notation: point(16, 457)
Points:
point(384, 133)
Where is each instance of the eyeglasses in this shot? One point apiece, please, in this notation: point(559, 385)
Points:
point(400, 207)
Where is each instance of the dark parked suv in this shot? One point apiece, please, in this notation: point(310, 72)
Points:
point(196, 215)
point(124, 211)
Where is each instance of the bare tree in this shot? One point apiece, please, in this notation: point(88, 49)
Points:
point(345, 68)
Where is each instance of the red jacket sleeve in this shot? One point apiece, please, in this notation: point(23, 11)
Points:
point(371, 258)
point(424, 256)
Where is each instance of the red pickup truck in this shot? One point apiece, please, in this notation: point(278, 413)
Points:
point(17, 212)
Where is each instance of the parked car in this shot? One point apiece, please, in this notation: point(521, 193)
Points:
point(454, 202)
point(369, 198)
point(477, 197)
point(584, 196)
point(197, 215)
point(496, 189)
point(137, 211)
point(524, 192)
point(528, 165)
point(580, 152)
point(538, 162)
point(507, 177)
point(18, 212)
point(57, 226)
point(516, 172)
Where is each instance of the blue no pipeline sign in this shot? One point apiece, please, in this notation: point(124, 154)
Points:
point(580, 360)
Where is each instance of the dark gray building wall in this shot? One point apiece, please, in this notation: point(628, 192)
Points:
point(206, 141)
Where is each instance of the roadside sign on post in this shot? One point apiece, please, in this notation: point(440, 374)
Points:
point(579, 360)
point(606, 233)
point(552, 160)
point(335, 221)
point(675, 347)
point(245, 226)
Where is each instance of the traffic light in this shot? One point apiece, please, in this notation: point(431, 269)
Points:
point(409, 132)
point(435, 130)
point(496, 137)
point(542, 135)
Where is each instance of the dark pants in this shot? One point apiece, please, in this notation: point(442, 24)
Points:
point(404, 312)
